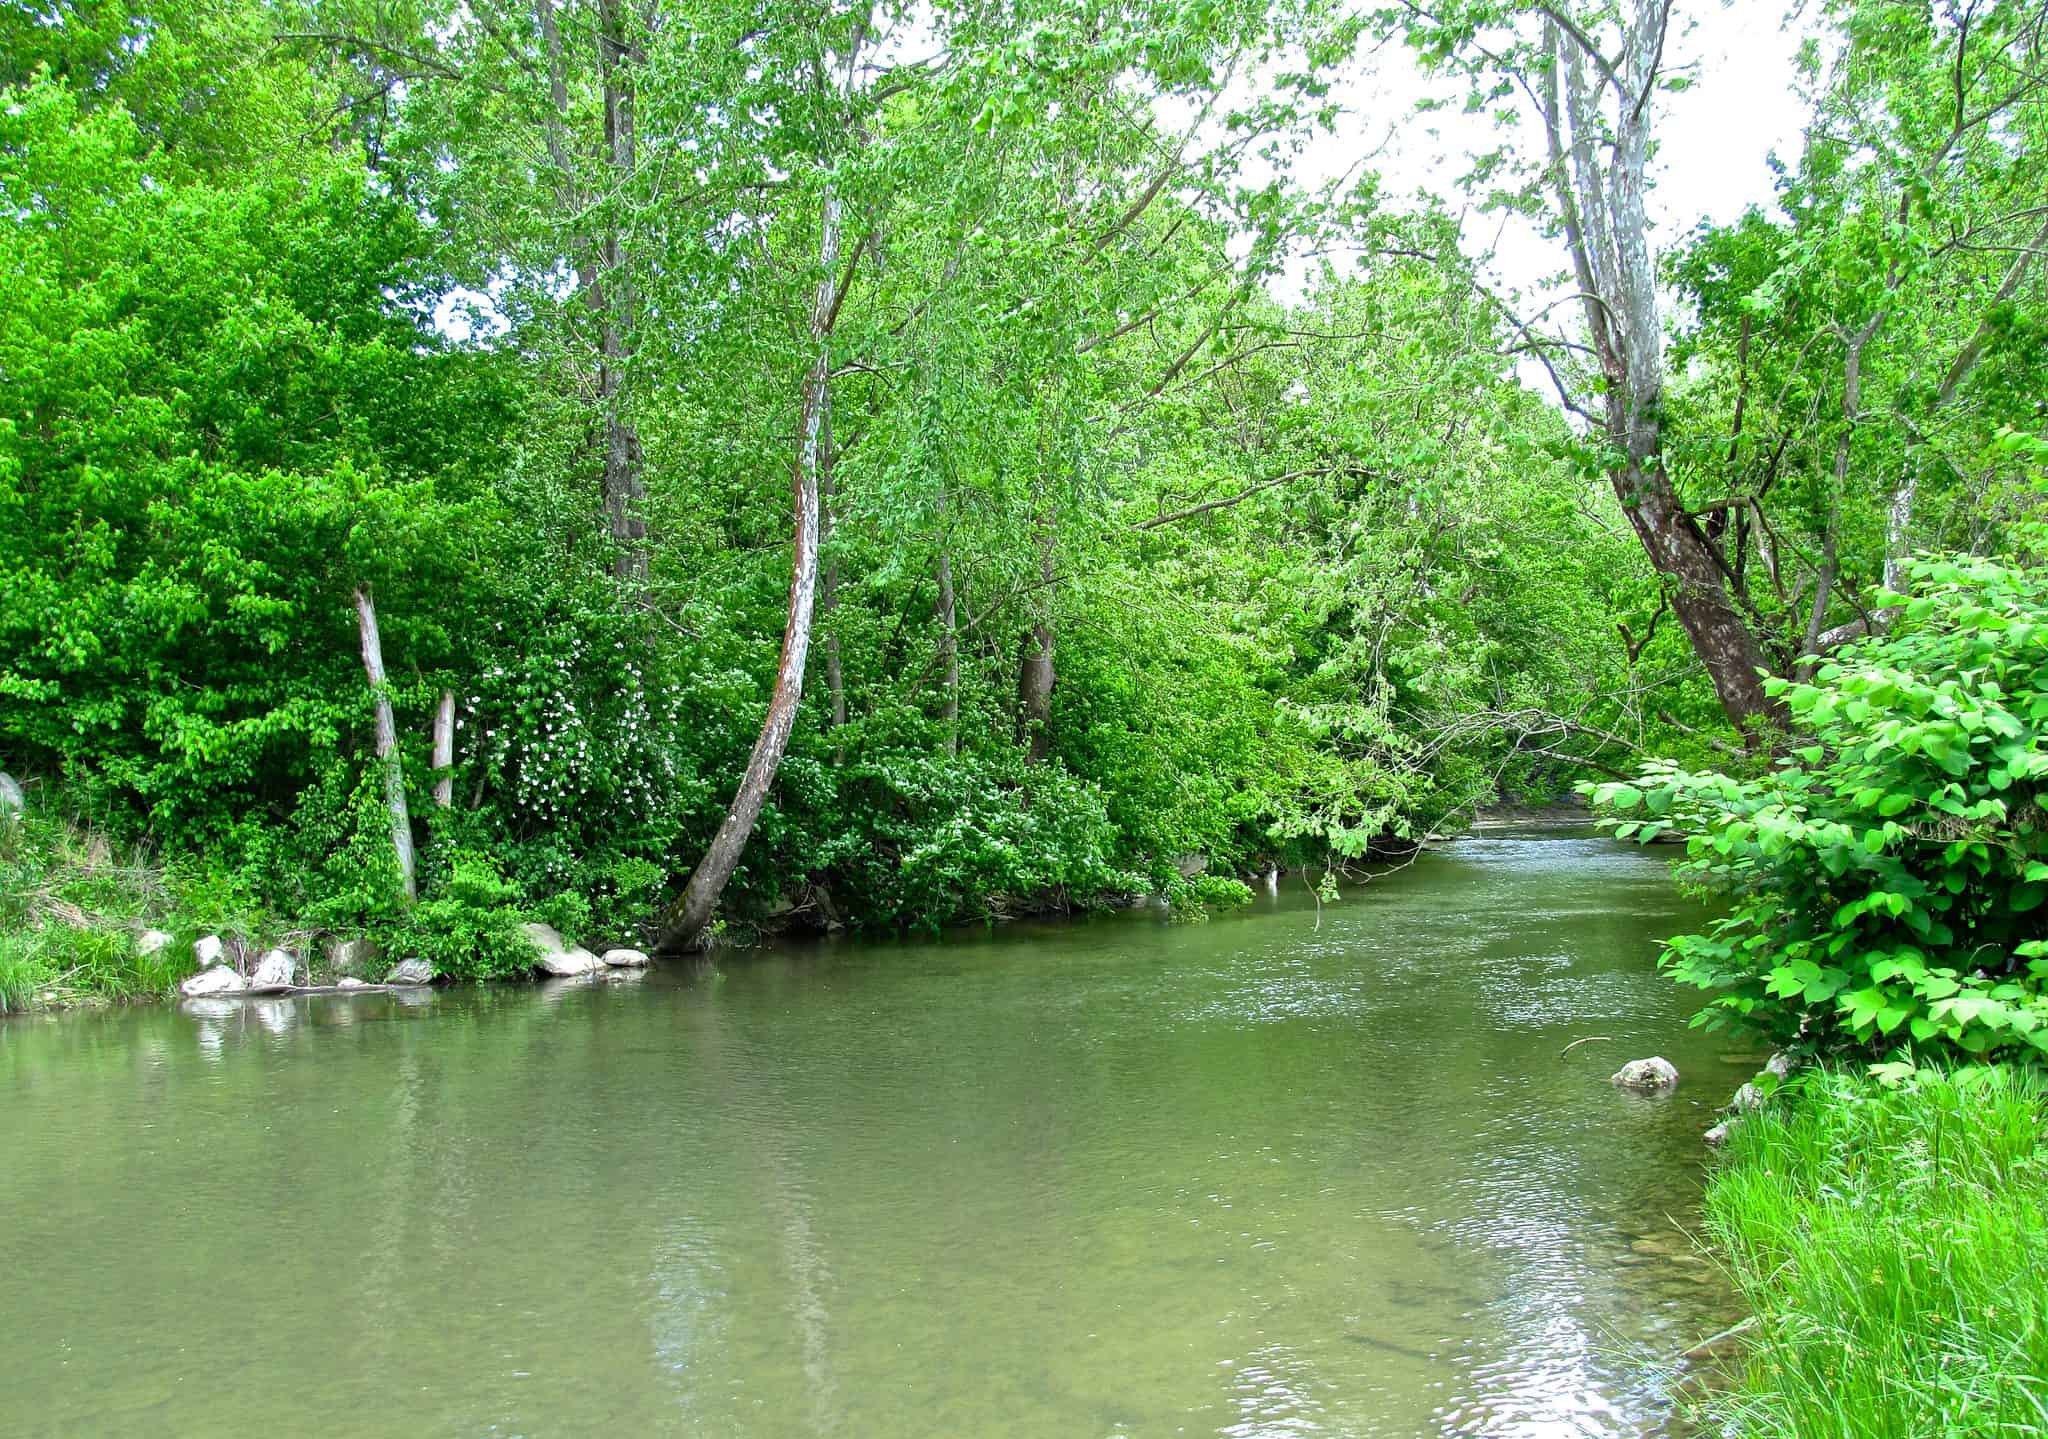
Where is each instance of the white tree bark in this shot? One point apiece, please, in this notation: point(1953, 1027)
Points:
point(444, 751)
point(387, 741)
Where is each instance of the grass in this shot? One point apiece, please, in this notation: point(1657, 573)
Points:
point(71, 911)
point(1893, 1244)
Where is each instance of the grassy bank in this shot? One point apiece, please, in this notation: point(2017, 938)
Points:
point(1893, 1244)
point(72, 910)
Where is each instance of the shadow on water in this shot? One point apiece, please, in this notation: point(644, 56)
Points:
point(1292, 1171)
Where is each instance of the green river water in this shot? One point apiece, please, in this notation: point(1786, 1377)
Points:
point(1289, 1172)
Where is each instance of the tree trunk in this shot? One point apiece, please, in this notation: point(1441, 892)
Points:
point(828, 595)
point(1679, 550)
point(387, 741)
point(444, 751)
point(949, 632)
point(1035, 675)
point(1601, 205)
point(625, 491)
point(692, 912)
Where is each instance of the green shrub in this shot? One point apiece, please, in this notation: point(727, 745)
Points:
point(470, 929)
point(1888, 877)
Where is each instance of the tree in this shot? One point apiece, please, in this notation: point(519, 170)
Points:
point(1887, 877)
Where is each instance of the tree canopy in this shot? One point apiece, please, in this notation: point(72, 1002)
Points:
point(887, 465)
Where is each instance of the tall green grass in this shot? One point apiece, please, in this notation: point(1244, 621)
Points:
point(71, 910)
point(1893, 1244)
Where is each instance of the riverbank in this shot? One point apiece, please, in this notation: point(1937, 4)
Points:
point(1892, 1243)
point(85, 921)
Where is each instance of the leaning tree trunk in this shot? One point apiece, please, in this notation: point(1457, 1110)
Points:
point(686, 921)
point(828, 598)
point(1597, 172)
point(387, 741)
point(1680, 550)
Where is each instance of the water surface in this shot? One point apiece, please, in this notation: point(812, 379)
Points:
point(1299, 1170)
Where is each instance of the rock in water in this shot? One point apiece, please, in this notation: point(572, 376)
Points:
point(1646, 1076)
point(1718, 1135)
point(349, 981)
point(411, 971)
point(207, 949)
point(543, 936)
point(351, 956)
point(221, 979)
point(564, 961)
point(625, 958)
point(274, 971)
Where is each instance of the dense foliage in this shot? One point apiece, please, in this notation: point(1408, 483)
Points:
point(1172, 510)
point(1888, 876)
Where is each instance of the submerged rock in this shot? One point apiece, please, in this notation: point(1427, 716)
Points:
point(274, 971)
point(221, 979)
point(1646, 1076)
point(564, 961)
point(411, 971)
point(351, 956)
point(625, 958)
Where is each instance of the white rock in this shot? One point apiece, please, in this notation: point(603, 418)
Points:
point(151, 941)
point(567, 963)
point(544, 936)
point(1647, 1076)
point(1780, 1064)
point(351, 956)
point(625, 958)
point(564, 961)
point(207, 949)
point(12, 801)
point(1747, 1099)
point(1718, 1135)
point(274, 971)
point(411, 971)
point(221, 979)
point(349, 981)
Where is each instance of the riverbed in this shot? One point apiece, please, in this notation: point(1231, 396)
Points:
point(1301, 1169)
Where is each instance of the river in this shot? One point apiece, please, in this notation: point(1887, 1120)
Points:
point(1299, 1170)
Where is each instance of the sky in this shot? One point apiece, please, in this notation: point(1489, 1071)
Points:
point(1714, 139)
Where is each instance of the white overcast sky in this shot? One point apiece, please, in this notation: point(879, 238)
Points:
point(1713, 142)
point(1713, 139)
